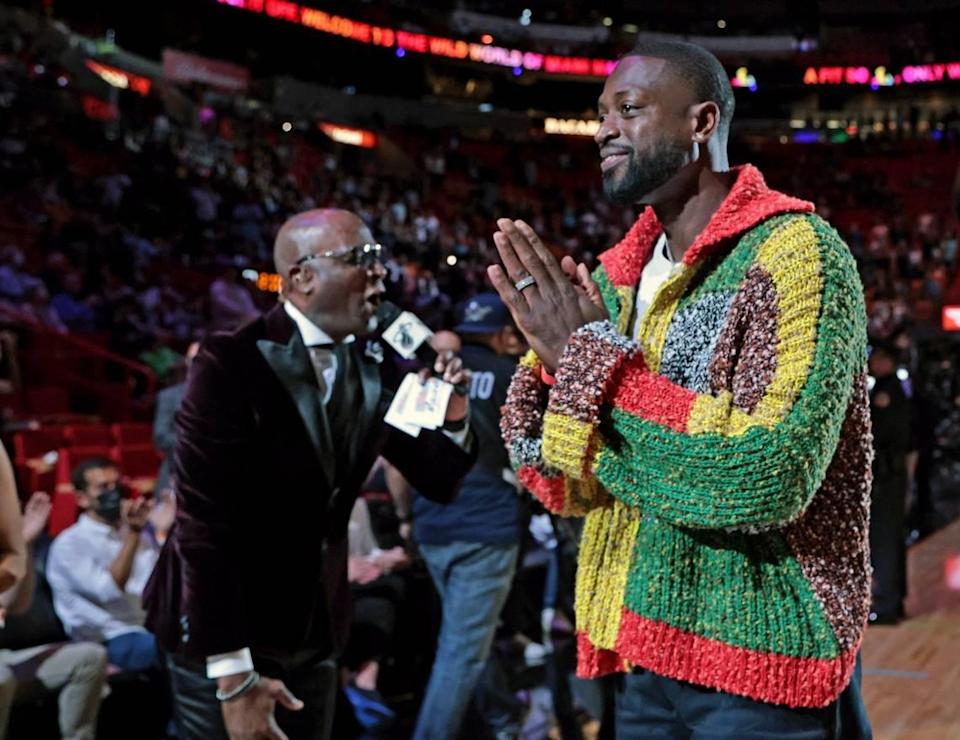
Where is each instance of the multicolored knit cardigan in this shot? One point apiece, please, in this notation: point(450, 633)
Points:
point(723, 463)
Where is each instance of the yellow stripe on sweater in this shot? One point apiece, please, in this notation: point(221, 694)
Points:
point(791, 257)
point(566, 443)
point(530, 360)
point(793, 261)
point(625, 296)
point(606, 555)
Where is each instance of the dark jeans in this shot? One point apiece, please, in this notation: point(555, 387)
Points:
point(652, 706)
point(133, 651)
point(314, 681)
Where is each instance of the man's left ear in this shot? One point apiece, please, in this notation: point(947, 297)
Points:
point(706, 118)
point(300, 280)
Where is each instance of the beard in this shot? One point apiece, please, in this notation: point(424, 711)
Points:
point(644, 173)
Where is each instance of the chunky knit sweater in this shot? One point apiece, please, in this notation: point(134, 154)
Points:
point(722, 463)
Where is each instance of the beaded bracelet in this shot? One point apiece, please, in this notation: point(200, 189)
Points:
point(237, 691)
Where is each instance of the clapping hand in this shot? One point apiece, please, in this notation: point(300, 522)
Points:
point(549, 300)
point(392, 559)
point(163, 513)
point(35, 516)
point(135, 512)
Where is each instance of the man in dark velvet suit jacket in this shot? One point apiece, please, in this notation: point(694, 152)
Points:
point(275, 436)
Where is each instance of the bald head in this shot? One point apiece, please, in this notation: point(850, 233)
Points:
point(319, 230)
point(338, 295)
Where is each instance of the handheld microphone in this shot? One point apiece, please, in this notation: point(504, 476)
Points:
point(409, 337)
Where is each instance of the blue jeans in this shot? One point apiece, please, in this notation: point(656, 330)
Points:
point(473, 580)
point(133, 651)
point(650, 706)
point(853, 721)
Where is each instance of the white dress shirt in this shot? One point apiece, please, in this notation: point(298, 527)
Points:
point(85, 596)
point(659, 268)
point(313, 335)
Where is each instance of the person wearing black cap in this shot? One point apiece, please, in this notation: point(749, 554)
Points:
point(471, 544)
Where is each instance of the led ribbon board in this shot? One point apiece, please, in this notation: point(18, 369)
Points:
point(422, 43)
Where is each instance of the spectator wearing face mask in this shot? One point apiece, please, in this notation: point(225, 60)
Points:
point(99, 566)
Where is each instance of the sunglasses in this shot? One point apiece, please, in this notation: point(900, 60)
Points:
point(362, 255)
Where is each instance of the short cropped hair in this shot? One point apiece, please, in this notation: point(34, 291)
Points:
point(79, 475)
point(698, 66)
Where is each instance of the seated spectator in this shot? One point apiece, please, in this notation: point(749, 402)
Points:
point(129, 329)
point(377, 592)
point(15, 283)
point(74, 310)
point(40, 311)
point(99, 566)
point(78, 671)
point(161, 359)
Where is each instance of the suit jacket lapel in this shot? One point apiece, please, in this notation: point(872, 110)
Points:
point(369, 365)
point(292, 366)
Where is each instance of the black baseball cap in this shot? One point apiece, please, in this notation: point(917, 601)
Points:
point(485, 313)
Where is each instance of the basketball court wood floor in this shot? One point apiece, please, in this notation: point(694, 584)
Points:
point(911, 672)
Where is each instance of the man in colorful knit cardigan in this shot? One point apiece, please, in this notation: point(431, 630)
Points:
point(702, 401)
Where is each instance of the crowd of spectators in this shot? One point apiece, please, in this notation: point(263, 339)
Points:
point(146, 232)
point(141, 229)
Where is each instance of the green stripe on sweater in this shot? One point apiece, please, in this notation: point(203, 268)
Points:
point(609, 293)
point(742, 589)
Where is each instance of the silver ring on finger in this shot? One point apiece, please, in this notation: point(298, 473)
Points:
point(525, 282)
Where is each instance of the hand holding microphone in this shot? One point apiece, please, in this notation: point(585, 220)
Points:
point(410, 338)
point(450, 369)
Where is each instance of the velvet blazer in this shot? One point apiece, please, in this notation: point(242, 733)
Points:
point(258, 553)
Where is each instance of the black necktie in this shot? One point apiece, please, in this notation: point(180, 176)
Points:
point(343, 409)
point(323, 359)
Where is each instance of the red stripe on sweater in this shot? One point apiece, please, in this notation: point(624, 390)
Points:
point(653, 397)
point(624, 262)
point(593, 661)
point(767, 677)
point(748, 203)
point(550, 490)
